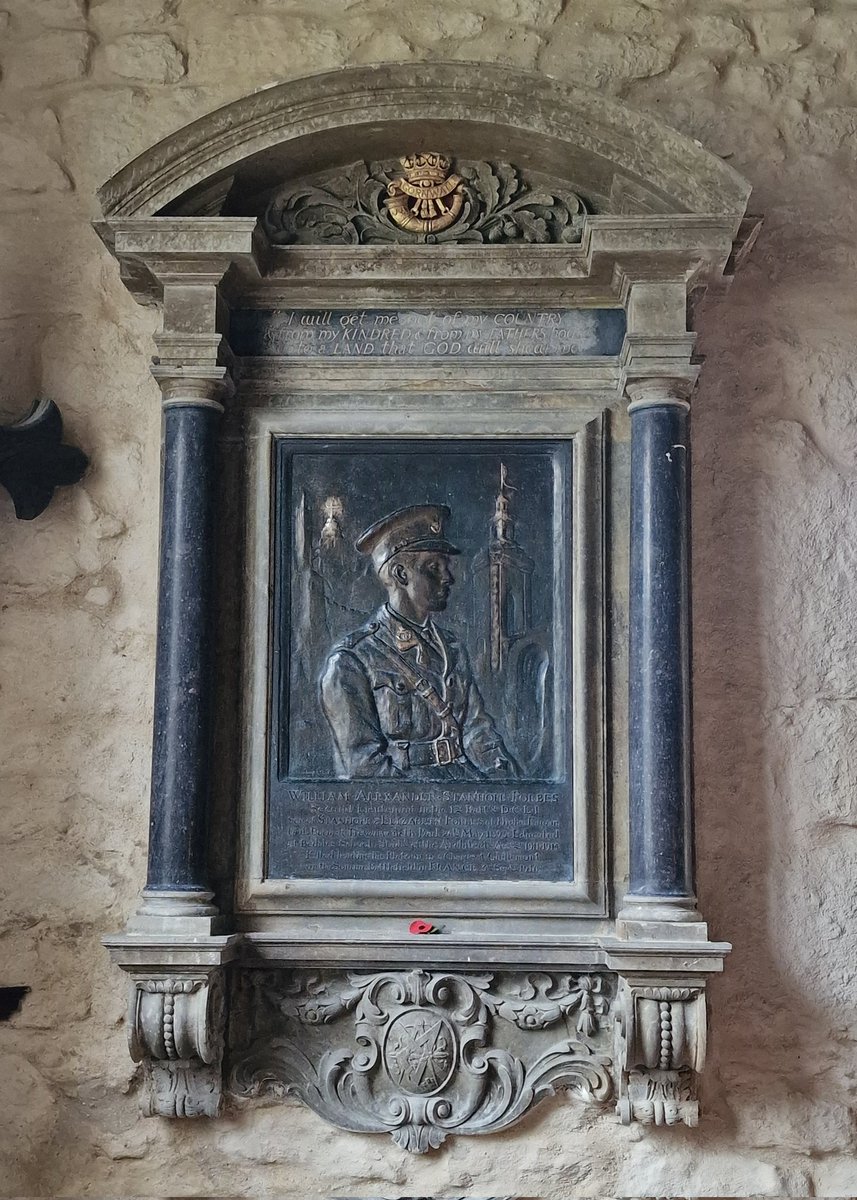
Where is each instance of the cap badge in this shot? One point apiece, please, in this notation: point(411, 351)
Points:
point(427, 199)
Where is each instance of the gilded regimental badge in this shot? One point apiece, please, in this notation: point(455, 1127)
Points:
point(418, 198)
point(428, 199)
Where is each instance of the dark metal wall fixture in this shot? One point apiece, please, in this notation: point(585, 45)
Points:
point(422, 810)
point(11, 999)
point(34, 461)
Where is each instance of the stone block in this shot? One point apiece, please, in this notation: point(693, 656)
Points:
point(44, 128)
point(24, 166)
point(784, 32)
point(110, 17)
point(384, 46)
point(717, 34)
point(30, 1108)
point(829, 131)
point(127, 121)
point(781, 1118)
point(269, 49)
point(537, 14)
point(623, 17)
point(833, 1175)
point(518, 47)
point(426, 25)
point(835, 30)
point(430, 24)
point(598, 59)
point(752, 81)
point(62, 14)
point(51, 58)
point(646, 1171)
point(149, 57)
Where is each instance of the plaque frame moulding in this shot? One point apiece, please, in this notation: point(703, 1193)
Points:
point(348, 906)
point(596, 986)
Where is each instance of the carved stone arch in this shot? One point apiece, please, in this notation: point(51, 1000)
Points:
point(623, 161)
point(591, 978)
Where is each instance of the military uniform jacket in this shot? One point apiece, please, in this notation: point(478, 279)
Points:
point(401, 702)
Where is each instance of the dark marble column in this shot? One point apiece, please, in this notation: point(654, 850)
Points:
point(177, 874)
point(661, 816)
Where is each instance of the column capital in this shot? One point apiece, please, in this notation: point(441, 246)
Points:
point(659, 361)
point(194, 363)
point(660, 391)
point(193, 384)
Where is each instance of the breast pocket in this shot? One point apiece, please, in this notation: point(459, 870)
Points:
point(394, 702)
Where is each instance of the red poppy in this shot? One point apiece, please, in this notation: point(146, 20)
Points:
point(421, 926)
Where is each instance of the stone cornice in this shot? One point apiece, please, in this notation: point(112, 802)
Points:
point(614, 254)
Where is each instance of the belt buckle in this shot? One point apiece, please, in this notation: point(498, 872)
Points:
point(443, 751)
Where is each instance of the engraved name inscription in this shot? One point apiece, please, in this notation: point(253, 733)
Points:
point(434, 333)
point(350, 831)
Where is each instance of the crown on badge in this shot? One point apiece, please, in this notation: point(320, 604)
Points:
point(426, 166)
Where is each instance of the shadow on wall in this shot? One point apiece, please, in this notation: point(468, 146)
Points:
point(759, 1011)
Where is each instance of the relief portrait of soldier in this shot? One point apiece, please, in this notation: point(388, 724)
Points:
point(399, 693)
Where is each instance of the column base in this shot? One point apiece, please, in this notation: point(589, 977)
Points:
point(176, 914)
point(660, 918)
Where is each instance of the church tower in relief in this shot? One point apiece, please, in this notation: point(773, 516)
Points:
point(510, 580)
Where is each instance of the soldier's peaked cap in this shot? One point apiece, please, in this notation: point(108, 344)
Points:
point(417, 527)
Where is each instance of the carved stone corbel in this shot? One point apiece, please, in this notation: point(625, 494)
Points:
point(660, 1050)
point(175, 1029)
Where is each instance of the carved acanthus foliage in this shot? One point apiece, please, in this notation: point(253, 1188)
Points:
point(422, 1054)
point(662, 1098)
point(176, 1030)
point(420, 199)
point(660, 1037)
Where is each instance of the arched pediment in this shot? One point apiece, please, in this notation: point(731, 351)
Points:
point(233, 160)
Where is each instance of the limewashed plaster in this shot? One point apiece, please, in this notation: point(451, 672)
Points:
point(773, 89)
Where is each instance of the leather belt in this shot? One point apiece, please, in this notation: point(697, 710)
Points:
point(441, 752)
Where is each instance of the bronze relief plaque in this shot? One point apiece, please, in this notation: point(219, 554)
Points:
point(422, 660)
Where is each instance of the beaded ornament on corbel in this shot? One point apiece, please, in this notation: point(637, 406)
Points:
point(660, 1050)
point(175, 1029)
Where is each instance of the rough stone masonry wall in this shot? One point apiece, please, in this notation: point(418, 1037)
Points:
point(770, 86)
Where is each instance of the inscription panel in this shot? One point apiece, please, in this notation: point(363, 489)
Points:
point(389, 831)
point(433, 333)
point(420, 716)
